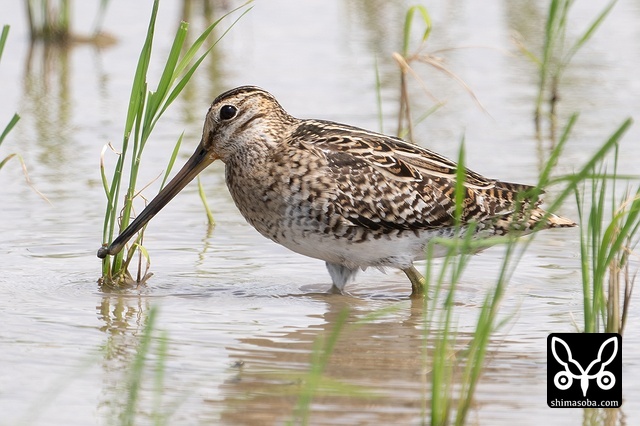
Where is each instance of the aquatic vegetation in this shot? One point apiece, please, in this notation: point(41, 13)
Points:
point(557, 54)
point(50, 21)
point(609, 236)
point(16, 117)
point(407, 59)
point(12, 122)
point(447, 359)
point(404, 59)
point(440, 332)
point(151, 354)
point(145, 109)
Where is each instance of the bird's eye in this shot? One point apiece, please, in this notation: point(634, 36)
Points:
point(227, 112)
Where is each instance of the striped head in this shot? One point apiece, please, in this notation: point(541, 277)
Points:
point(244, 118)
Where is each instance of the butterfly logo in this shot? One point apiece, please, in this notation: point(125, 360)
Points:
point(595, 370)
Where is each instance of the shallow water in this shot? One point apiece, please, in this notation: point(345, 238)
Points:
point(241, 313)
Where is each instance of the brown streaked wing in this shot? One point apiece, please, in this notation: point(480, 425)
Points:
point(385, 183)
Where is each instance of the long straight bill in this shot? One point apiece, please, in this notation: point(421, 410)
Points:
point(200, 159)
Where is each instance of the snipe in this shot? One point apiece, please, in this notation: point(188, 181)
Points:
point(345, 195)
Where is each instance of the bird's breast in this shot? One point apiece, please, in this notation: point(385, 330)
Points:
point(279, 202)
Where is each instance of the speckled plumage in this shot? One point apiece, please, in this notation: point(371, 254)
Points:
point(345, 195)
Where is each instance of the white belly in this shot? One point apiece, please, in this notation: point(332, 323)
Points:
point(387, 251)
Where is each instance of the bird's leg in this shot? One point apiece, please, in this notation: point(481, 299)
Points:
point(417, 281)
point(340, 275)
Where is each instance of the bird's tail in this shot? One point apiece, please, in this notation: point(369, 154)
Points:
point(551, 220)
point(535, 220)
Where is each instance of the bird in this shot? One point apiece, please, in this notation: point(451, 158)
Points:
point(345, 195)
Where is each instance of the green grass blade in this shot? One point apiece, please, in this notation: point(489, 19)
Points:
point(10, 126)
point(166, 80)
point(138, 89)
point(134, 382)
point(586, 170)
point(6, 160)
point(110, 215)
point(584, 265)
point(589, 31)
point(203, 197)
point(187, 76)
point(103, 175)
point(408, 24)
point(169, 72)
point(160, 416)
point(3, 38)
point(191, 52)
point(550, 31)
point(616, 235)
point(545, 175)
point(172, 160)
point(181, 85)
point(322, 350)
point(100, 15)
point(529, 54)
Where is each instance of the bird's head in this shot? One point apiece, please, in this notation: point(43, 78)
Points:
point(244, 118)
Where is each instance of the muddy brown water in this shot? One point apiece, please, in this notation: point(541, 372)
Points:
point(241, 314)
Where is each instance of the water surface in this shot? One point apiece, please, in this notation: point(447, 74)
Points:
point(241, 313)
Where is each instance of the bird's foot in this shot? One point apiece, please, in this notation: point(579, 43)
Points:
point(335, 290)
